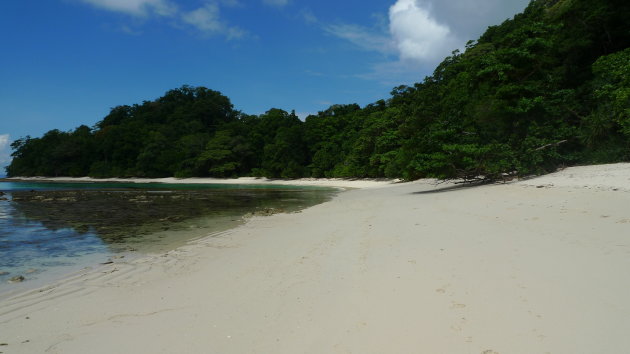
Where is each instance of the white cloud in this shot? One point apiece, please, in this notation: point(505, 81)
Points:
point(136, 7)
point(427, 31)
point(5, 150)
point(421, 33)
point(413, 35)
point(418, 36)
point(276, 2)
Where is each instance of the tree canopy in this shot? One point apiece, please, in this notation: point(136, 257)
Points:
point(547, 88)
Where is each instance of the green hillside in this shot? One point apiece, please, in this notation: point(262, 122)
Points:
point(548, 88)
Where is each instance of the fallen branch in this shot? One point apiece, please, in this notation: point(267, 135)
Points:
point(552, 144)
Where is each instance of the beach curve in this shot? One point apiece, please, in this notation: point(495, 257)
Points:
point(527, 266)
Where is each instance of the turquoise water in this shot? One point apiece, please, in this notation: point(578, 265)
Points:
point(51, 229)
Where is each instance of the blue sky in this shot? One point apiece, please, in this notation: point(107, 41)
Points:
point(67, 62)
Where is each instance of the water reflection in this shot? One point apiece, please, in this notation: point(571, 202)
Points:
point(114, 215)
point(52, 228)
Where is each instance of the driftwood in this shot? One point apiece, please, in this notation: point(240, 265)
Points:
point(476, 176)
point(552, 144)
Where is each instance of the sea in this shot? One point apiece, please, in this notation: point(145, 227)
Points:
point(49, 230)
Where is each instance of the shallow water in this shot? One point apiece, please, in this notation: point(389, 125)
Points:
point(51, 229)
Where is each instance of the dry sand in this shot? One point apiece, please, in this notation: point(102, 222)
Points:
point(537, 266)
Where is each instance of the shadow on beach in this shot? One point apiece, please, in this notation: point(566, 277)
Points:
point(455, 187)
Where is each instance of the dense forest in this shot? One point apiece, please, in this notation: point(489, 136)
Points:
point(548, 88)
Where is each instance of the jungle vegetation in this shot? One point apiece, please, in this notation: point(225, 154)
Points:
point(548, 88)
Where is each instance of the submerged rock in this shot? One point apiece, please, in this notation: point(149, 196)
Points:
point(17, 279)
point(265, 212)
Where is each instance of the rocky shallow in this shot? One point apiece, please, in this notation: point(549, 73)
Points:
point(117, 214)
point(123, 220)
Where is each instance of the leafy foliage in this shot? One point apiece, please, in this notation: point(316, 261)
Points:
point(549, 87)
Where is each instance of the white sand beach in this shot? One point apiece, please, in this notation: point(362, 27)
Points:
point(317, 182)
point(534, 266)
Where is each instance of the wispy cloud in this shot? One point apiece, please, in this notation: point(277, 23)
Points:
point(313, 73)
point(362, 37)
point(206, 19)
point(276, 2)
point(308, 16)
point(136, 7)
point(396, 72)
point(232, 3)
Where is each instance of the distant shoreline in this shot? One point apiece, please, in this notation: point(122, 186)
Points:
point(357, 183)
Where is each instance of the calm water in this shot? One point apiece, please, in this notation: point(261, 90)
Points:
point(48, 230)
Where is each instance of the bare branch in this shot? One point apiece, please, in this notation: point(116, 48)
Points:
point(552, 144)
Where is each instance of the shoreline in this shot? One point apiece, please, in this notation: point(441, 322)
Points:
point(527, 266)
point(157, 241)
point(303, 182)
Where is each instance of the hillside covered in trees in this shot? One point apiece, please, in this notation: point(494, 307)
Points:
point(549, 87)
